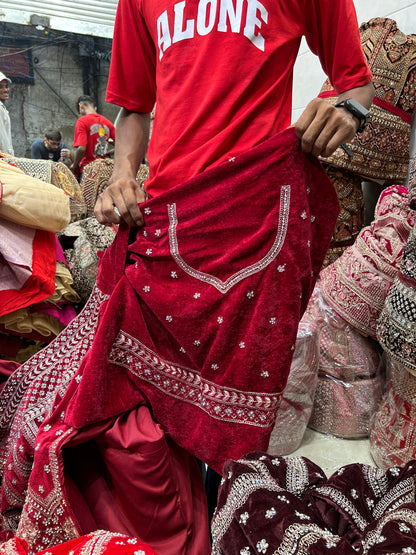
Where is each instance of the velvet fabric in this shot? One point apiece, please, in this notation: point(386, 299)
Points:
point(97, 543)
point(195, 317)
point(200, 288)
point(285, 505)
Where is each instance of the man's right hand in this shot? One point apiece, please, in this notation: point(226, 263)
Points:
point(119, 202)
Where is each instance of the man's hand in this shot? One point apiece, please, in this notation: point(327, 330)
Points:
point(119, 202)
point(322, 128)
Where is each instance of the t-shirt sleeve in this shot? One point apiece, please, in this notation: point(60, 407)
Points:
point(332, 33)
point(35, 152)
point(80, 134)
point(131, 82)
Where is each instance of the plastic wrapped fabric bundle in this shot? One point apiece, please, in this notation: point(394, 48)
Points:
point(297, 402)
point(57, 174)
point(31, 202)
point(382, 150)
point(350, 384)
point(357, 283)
point(393, 436)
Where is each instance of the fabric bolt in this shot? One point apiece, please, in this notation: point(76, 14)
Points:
point(100, 542)
point(382, 150)
point(298, 395)
point(217, 121)
point(351, 218)
point(357, 283)
point(140, 340)
point(31, 202)
point(396, 328)
point(393, 432)
point(285, 505)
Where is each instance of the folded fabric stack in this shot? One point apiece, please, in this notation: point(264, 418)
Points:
point(38, 296)
point(393, 436)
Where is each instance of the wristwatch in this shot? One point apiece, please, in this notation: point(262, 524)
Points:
point(356, 109)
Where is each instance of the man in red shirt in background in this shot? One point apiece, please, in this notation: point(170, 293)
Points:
point(91, 136)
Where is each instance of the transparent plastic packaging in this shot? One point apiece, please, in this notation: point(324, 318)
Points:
point(350, 381)
point(298, 396)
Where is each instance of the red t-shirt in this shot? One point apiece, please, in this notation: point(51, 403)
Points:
point(93, 132)
point(223, 70)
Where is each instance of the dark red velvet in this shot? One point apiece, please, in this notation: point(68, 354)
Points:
point(211, 363)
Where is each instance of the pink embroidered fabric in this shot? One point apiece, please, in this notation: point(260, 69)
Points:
point(357, 283)
point(393, 433)
point(350, 384)
point(178, 323)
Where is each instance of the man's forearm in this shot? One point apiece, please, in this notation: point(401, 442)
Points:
point(132, 136)
point(364, 95)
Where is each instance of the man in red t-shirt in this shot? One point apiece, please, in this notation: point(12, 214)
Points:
point(91, 136)
point(220, 72)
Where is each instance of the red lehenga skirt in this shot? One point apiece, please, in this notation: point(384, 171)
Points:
point(193, 322)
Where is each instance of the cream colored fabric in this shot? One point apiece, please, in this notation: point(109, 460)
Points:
point(30, 202)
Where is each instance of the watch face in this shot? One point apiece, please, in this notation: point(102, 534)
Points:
point(356, 108)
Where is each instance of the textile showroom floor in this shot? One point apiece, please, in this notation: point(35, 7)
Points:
point(330, 452)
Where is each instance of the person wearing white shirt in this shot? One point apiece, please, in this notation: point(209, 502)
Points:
point(6, 145)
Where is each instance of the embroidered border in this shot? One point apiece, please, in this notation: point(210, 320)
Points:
point(224, 286)
point(222, 403)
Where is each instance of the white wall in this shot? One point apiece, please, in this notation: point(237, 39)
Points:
point(308, 75)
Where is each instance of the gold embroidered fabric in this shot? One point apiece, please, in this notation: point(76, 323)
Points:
point(381, 151)
point(96, 176)
point(351, 218)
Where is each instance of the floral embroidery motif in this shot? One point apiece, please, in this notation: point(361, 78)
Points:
point(250, 294)
point(173, 274)
point(146, 288)
point(244, 517)
point(147, 210)
point(262, 546)
point(220, 319)
point(270, 513)
point(149, 252)
point(169, 318)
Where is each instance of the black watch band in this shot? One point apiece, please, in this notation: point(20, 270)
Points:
point(357, 110)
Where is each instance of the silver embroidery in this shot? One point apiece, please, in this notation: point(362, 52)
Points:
point(224, 286)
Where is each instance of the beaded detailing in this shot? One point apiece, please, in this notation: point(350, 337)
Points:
point(382, 150)
point(224, 286)
point(31, 391)
point(222, 403)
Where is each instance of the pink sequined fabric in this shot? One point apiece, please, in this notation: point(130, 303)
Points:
point(357, 283)
point(349, 386)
